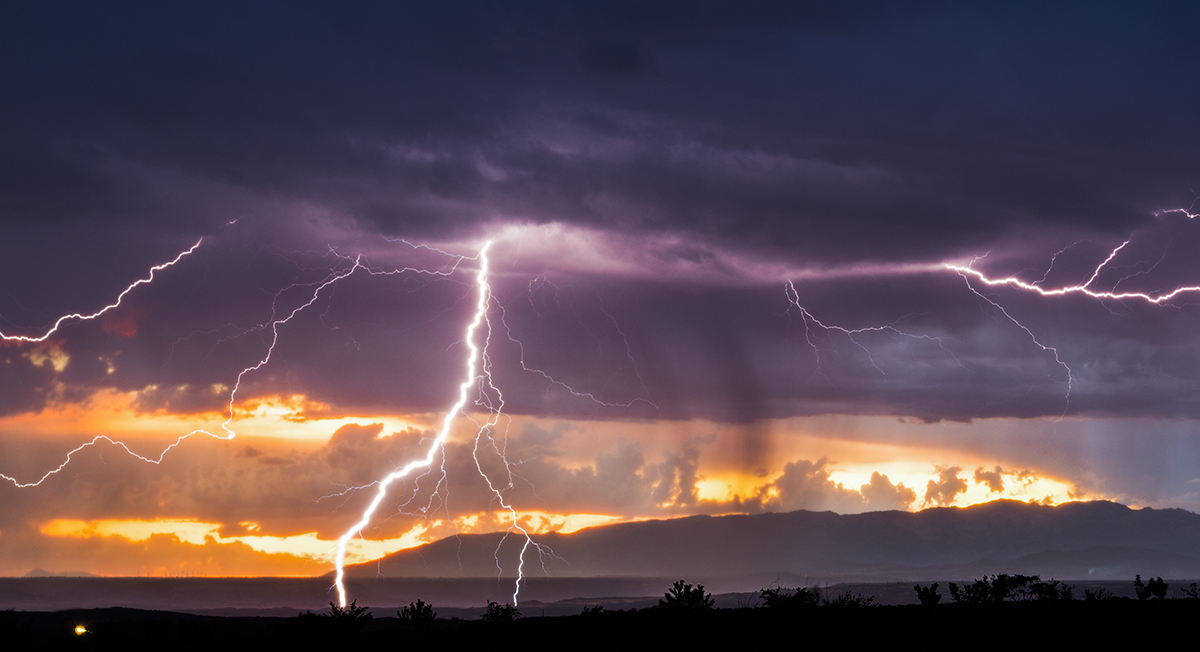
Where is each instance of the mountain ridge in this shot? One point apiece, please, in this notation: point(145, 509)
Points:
point(1099, 538)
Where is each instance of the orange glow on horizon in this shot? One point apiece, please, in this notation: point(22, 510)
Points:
point(197, 533)
point(308, 546)
point(113, 413)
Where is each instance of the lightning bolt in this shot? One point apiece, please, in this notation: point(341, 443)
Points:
point(88, 317)
point(349, 265)
point(477, 373)
point(970, 276)
point(115, 304)
point(478, 376)
point(968, 272)
point(976, 280)
point(811, 321)
point(273, 324)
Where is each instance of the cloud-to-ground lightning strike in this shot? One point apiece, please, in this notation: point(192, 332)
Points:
point(477, 372)
point(478, 375)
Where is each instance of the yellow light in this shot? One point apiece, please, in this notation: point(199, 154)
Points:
point(80, 630)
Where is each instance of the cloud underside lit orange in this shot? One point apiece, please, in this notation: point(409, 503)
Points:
point(200, 548)
point(291, 452)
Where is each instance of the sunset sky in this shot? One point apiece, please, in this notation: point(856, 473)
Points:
point(722, 238)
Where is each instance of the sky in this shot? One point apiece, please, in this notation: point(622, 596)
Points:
point(737, 260)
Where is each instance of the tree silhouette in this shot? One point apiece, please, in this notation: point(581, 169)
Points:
point(999, 588)
point(928, 595)
point(418, 614)
point(1093, 595)
point(347, 614)
point(1052, 591)
point(684, 598)
point(848, 599)
point(779, 598)
point(1156, 588)
point(500, 613)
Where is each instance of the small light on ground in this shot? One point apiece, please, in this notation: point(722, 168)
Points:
point(80, 630)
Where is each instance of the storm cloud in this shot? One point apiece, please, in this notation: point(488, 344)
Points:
point(699, 212)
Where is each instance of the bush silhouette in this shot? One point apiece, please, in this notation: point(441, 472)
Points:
point(848, 599)
point(779, 598)
point(351, 613)
point(684, 598)
point(419, 613)
point(928, 595)
point(1052, 591)
point(500, 613)
point(1156, 587)
point(999, 588)
point(1094, 595)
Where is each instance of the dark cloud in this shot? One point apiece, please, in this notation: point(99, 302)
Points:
point(696, 155)
point(885, 132)
point(802, 135)
point(593, 345)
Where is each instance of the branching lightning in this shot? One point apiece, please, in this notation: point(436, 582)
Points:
point(479, 389)
point(968, 272)
point(810, 321)
point(354, 264)
point(478, 373)
point(969, 275)
point(477, 338)
point(273, 324)
point(976, 279)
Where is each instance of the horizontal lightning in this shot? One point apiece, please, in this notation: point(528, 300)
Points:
point(967, 271)
point(115, 304)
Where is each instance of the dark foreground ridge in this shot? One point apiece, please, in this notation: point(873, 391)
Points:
point(1093, 540)
point(987, 626)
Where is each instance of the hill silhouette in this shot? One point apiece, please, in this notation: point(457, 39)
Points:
point(1071, 541)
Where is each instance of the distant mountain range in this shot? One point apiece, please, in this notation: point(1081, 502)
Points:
point(38, 572)
point(1082, 540)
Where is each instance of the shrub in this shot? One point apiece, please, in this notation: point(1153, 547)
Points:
point(1156, 587)
point(780, 598)
point(686, 598)
point(347, 614)
point(419, 613)
point(500, 613)
point(1095, 595)
point(848, 599)
point(1052, 591)
point(999, 588)
point(928, 595)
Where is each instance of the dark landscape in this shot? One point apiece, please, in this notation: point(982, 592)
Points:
point(868, 561)
point(621, 324)
point(1114, 621)
point(1082, 540)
